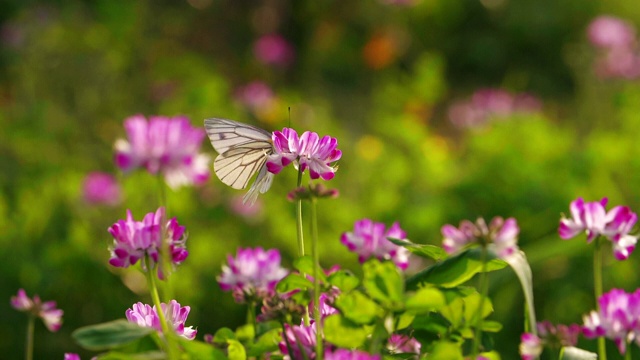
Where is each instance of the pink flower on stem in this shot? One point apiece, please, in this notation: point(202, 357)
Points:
point(47, 311)
point(617, 318)
point(592, 219)
point(164, 145)
point(308, 151)
point(142, 240)
point(299, 339)
point(370, 240)
point(101, 188)
point(274, 50)
point(252, 273)
point(530, 346)
point(146, 316)
point(503, 234)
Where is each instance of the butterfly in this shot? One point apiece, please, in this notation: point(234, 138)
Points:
point(243, 150)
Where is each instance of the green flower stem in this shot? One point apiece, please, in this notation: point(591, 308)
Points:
point(484, 289)
point(251, 314)
point(28, 352)
point(597, 286)
point(165, 254)
point(301, 237)
point(316, 277)
point(153, 290)
point(627, 354)
point(299, 219)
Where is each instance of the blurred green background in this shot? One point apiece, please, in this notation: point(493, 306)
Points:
point(378, 76)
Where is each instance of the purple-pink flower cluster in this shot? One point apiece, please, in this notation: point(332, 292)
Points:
point(252, 273)
point(403, 344)
point(503, 234)
point(164, 145)
point(143, 240)
point(176, 315)
point(618, 47)
point(487, 104)
point(299, 339)
point(552, 336)
point(47, 311)
point(618, 318)
point(369, 239)
point(307, 151)
point(592, 219)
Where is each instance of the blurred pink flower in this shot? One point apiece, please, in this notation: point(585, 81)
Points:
point(246, 210)
point(273, 49)
point(403, 344)
point(617, 318)
point(71, 356)
point(611, 32)
point(530, 346)
point(252, 273)
point(560, 335)
point(255, 95)
point(101, 188)
point(47, 311)
point(503, 234)
point(146, 316)
point(142, 240)
point(164, 145)
point(370, 240)
point(486, 104)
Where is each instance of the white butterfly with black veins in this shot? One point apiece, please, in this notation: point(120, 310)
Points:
point(243, 150)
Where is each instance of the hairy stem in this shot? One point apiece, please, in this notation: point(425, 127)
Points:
point(28, 353)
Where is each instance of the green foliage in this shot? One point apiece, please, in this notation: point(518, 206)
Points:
point(110, 335)
point(455, 270)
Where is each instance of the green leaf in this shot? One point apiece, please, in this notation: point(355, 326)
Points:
point(358, 308)
point(149, 355)
point(436, 253)
point(455, 270)
point(472, 305)
point(304, 264)
point(344, 280)
point(235, 350)
point(404, 320)
point(198, 350)
point(110, 334)
point(425, 300)
point(383, 282)
point(268, 342)
point(491, 326)
point(445, 350)
point(223, 335)
point(246, 332)
point(293, 282)
point(433, 322)
point(343, 332)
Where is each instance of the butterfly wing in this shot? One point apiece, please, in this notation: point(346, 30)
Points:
point(243, 151)
point(227, 134)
